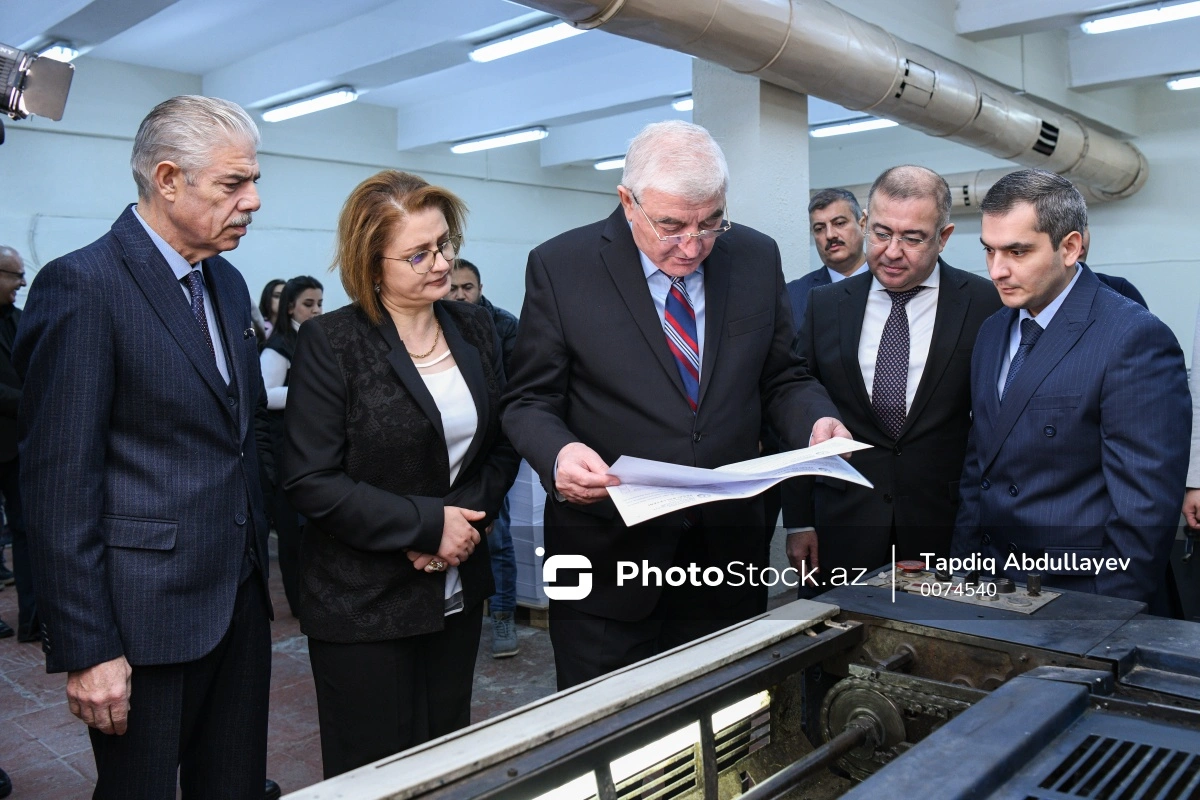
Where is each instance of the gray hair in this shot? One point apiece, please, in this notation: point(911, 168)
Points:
point(827, 197)
point(185, 130)
point(908, 182)
point(677, 158)
point(1058, 205)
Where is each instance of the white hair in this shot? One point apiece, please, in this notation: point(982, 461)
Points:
point(676, 158)
point(185, 130)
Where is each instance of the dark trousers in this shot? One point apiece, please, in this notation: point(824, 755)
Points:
point(287, 531)
point(375, 699)
point(205, 720)
point(27, 621)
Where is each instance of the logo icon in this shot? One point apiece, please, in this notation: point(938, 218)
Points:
point(565, 562)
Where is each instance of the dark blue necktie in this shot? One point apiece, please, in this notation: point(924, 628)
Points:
point(196, 287)
point(1030, 333)
point(679, 322)
point(889, 389)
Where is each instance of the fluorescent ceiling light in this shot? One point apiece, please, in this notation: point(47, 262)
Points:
point(1180, 82)
point(59, 51)
point(610, 163)
point(318, 102)
point(869, 124)
point(1138, 17)
point(525, 41)
point(503, 140)
point(684, 103)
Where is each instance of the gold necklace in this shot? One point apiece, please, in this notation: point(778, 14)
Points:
point(436, 338)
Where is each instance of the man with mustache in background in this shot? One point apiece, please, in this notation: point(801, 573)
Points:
point(140, 470)
point(836, 221)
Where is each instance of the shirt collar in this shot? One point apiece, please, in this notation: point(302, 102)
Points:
point(932, 282)
point(1046, 314)
point(649, 269)
point(835, 276)
point(176, 262)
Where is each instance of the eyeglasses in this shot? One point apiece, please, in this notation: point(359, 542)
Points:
point(680, 238)
point(883, 240)
point(20, 275)
point(424, 261)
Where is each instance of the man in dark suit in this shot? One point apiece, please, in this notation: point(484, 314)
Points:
point(12, 278)
point(1079, 449)
point(893, 350)
point(645, 334)
point(140, 470)
point(836, 221)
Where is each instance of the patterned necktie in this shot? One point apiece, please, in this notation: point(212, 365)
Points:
point(679, 322)
point(889, 390)
point(1030, 333)
point(196, 287)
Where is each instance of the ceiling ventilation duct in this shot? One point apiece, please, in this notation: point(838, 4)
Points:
point(811, 47)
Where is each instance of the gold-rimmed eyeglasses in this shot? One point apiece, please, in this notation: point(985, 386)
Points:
point(424, 261)
point(680, 238)
point(883, 240)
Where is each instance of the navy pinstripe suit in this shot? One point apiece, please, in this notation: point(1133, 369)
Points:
point(1088, 452)
point(140, 466)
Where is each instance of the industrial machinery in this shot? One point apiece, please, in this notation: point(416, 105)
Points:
point(891, 688)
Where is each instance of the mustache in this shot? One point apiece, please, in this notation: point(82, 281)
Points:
point(832, 242)
point(241, 222)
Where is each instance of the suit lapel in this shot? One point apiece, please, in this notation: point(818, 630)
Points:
point(225, 304)
point(403, 366)
point(157, 281)
point(1068, 324)
point(621, 258)
point(470, 364)
point(717, 269)
point(852, 306)
point(952, 305)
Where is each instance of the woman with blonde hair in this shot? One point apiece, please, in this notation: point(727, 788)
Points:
point(394, 456)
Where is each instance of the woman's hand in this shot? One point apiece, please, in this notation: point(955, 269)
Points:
point(459, 539)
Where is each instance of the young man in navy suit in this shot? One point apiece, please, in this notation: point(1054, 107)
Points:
point(140, 470)
point(1079, 448)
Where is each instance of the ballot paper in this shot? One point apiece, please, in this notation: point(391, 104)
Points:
point(649, 489)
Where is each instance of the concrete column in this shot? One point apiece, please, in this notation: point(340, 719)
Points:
point(763, 130)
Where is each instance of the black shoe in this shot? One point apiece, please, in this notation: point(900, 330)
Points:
point(6, 577)
point(5, 632)
point(32, 635)
point(273, 790)
point(5, 784)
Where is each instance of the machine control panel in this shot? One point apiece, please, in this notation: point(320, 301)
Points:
point(973, 588)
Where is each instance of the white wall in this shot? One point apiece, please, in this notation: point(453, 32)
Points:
point(67, 181)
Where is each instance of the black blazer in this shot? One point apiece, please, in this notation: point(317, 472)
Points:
point(592, 364)
point(915, 477)
point(365, 462)
point(139, 465)
point(10, 387)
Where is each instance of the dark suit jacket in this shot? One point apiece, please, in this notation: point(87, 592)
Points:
point(798, 292)
point(365, 462)
point(1088, 452)
point(139, 465)
point(10, 385)
point(592, 365)
point(916, 477)
point(1122, 286)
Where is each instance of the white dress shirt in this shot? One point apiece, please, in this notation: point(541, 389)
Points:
point(921, 310)
point(1043, 319)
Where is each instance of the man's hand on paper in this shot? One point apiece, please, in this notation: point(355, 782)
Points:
point(827, 428)
point(582, 476)
point(801, 549)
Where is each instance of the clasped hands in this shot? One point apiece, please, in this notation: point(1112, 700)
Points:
point(459, 539)
point(582, 477)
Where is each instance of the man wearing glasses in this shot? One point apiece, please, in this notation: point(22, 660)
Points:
point(893, 348)
point(662, 332)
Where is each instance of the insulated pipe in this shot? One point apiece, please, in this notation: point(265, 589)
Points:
point(811, 47)
point(967, 190)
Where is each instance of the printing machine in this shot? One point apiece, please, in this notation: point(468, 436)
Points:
point(991, 689)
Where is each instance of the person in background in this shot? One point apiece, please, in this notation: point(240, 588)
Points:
point(1191, 500)
point(394, 455)
point(466, 285)
point(1115, 282)
point(268, 305)
point(836, 222)
point(301, 299)
point(12, 279)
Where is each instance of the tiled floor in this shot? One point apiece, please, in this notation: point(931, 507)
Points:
point(46, 752)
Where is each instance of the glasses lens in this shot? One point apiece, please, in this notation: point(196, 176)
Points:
point(449, 249)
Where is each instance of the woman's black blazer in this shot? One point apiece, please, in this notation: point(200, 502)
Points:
point(365, 462)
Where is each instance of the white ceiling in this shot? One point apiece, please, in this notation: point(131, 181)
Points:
point(593, 91)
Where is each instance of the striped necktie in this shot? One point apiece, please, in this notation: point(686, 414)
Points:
point(679, 322)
